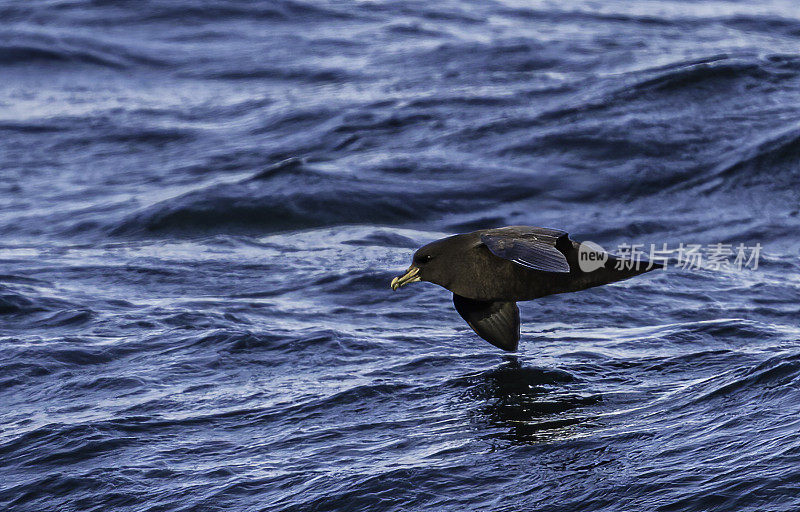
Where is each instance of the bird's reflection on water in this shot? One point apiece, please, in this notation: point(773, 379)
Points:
point(528, 404)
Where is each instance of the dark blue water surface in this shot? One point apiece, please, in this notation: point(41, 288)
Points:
point(202, 204)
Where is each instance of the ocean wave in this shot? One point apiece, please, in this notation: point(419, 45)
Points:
point(253, 342)
point(33, 308)
point(468, 58)
point(290, 10)
point(29, 48)
point(381, 238)
point(295, 195)
point(775, 375)
point(303, 74)
point(769, 24)
point(713, 73)
point(92, 14)
point(774, 157)
point(578, 15)
point(700, 76)
point(11, 303)
point(123, 136)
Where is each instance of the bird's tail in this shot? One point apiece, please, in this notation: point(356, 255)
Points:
point(616, 269)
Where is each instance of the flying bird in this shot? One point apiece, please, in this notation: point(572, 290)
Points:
point(489, 270)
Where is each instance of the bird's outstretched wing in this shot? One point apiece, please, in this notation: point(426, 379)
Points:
point(496, 322)
point(534, 248)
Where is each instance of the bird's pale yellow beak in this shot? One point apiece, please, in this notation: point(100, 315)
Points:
point(411, 276)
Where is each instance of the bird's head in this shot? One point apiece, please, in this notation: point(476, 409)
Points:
point(434, 262)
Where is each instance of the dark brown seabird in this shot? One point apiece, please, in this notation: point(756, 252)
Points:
point(489, 270)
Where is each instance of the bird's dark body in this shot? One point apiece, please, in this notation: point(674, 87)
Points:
point(481, 275)
point(490, 270)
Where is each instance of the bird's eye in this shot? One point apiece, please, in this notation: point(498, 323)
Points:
point(424, 258)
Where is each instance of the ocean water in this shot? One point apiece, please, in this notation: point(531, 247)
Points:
point(202, 204)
